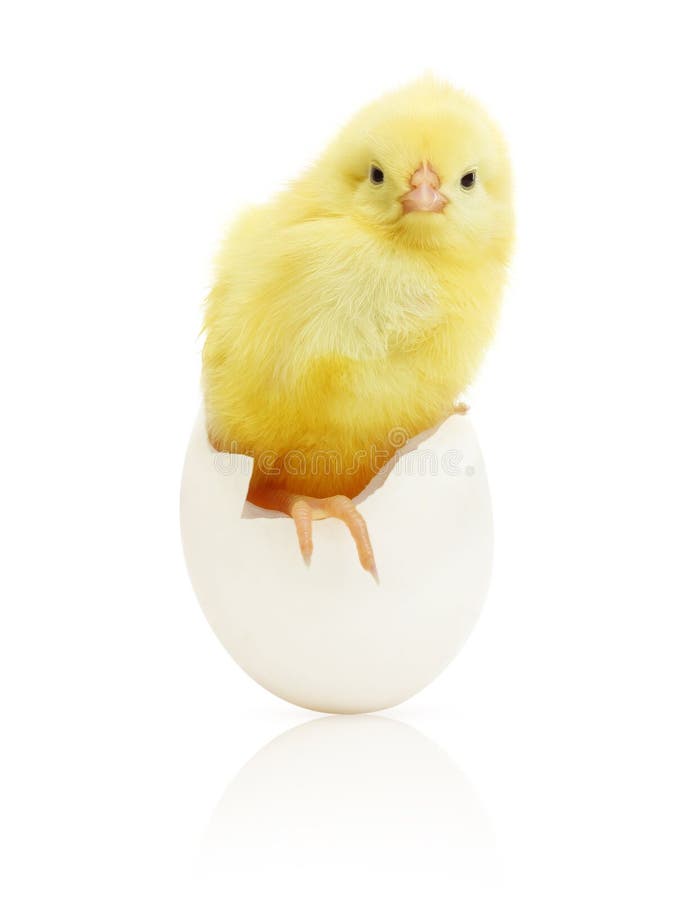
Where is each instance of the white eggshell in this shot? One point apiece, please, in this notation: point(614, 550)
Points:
point(327, 637)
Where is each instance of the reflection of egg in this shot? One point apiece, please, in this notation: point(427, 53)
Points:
point(350, 796)
point(327, 637)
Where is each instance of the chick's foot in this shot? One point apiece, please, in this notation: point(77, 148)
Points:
point(304, 510)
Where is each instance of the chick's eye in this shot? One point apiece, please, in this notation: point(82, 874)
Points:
point(377, 176)
point(468, 180)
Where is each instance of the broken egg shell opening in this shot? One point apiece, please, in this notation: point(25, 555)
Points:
point(326, 637)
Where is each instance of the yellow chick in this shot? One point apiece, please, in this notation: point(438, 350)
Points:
point(350, 312)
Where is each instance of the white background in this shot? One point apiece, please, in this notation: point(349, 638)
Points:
point(550, 759)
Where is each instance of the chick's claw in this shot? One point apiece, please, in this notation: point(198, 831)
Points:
point(304, 510)
point(303, 519)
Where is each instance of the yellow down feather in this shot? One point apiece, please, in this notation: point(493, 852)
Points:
point(337, 323)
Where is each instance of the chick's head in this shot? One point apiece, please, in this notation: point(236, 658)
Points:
point(424, 166)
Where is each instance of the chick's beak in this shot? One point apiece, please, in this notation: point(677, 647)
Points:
point(424, 195)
